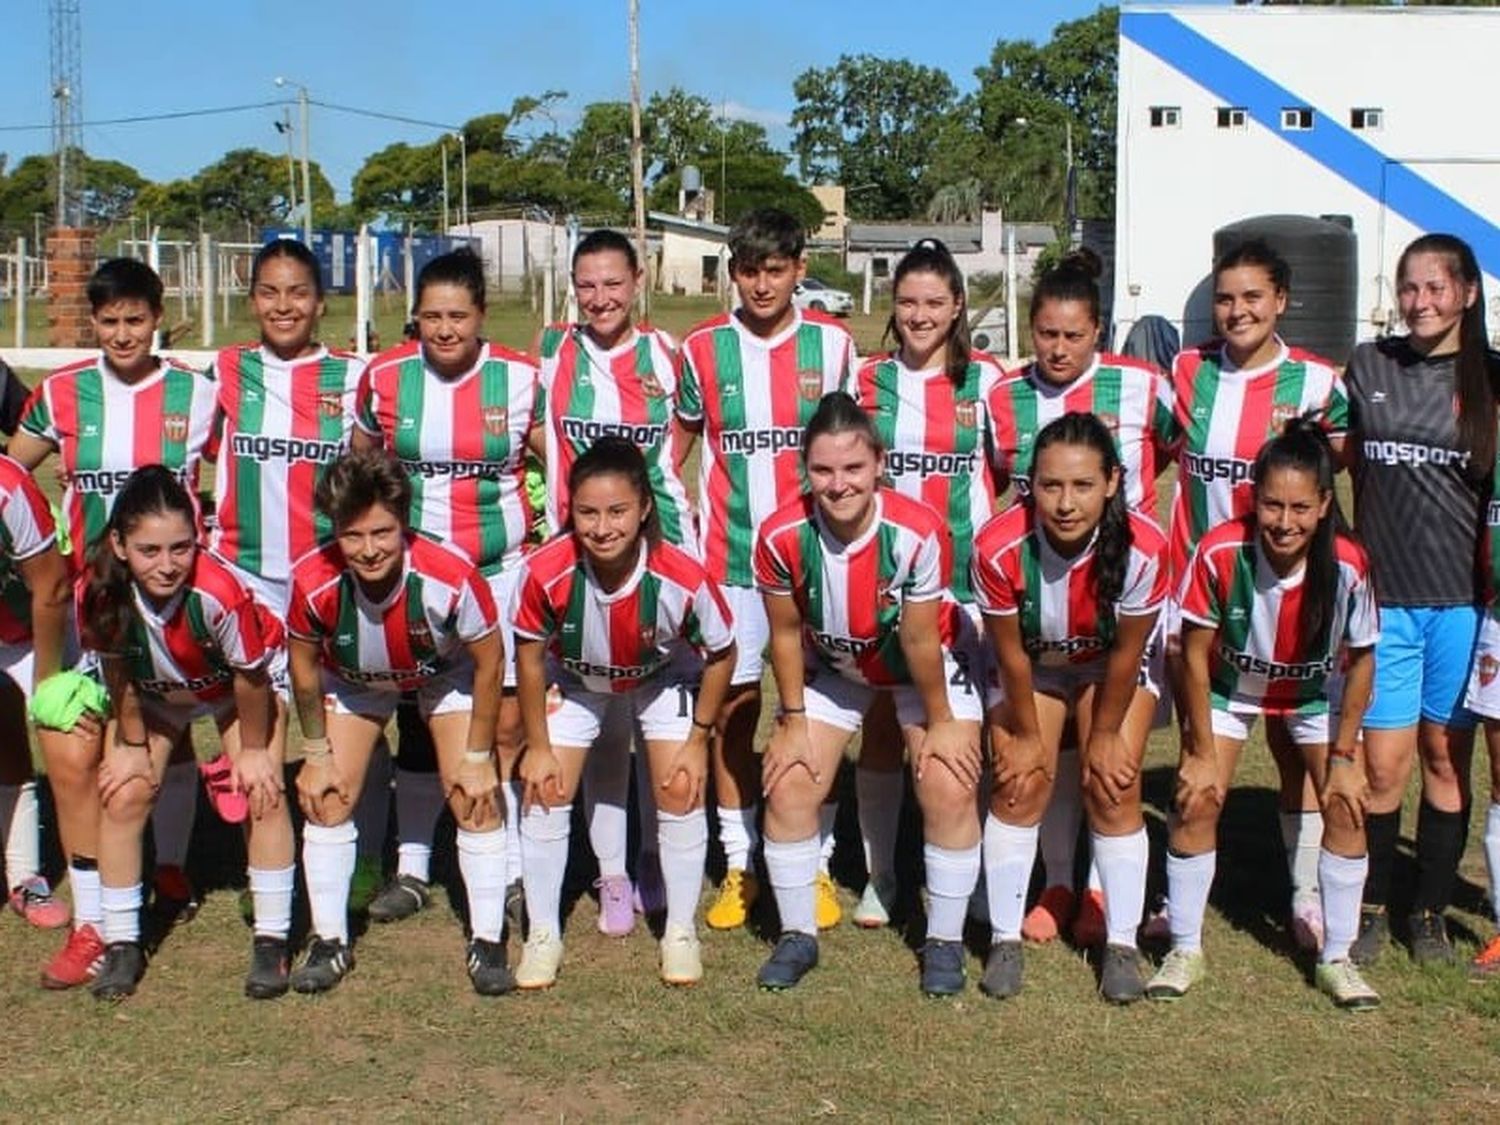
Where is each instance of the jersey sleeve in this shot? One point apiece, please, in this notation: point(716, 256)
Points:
point(772, 573)
point(709, 625)
point(993, 592)
point(1202, 603)
point(1166, 431)
point(237, 630)
point(27, 521)
point(1336, 411)
point(534, 616)
point(302, 620)
point(475, 615)
point(924, 581)
point(36, 415)
point(1146, 586)
point(365, 416)
point(689, 389)
point(1362, 625)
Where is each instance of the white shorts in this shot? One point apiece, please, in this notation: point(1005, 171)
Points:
point(1483, 693)
point(442, 695)
point(1065, 682)
point(1306, 730)
point(177, 716)
point(504, 584)
point(575, 715)
point(842, 703)
point(752, 632)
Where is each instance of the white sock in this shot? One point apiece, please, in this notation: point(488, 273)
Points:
point(682, 843)
point(122, 913)
point(828, 815)
point(544, 852)
point(1009, 852)
point(328, 856)
point(1302, 837)
point(419, 803)
point(1122, 869)
point(951, 875)
point(1188, 881)
point(372, 812)
point(271, 891)
point(481, 861)
point(23, 837)
point(172, 818)
point(88, 910)
point(737, 834)
point(792, 865)
point(1058, 838)
point(880, 794)
point(1341, 884)
point(1492, 854)
point(514, 867)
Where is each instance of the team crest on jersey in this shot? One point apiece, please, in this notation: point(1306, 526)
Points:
point(651, 387)
point(1489, 668)
point(884, 599)
point(1281, 414)
point(175, 427)
point(421, 635)
point(964, 413)
point(810, 383)
point(496, 419)
point(331, 404)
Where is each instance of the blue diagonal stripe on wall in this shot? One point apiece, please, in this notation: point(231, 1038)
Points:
point(1361, 164)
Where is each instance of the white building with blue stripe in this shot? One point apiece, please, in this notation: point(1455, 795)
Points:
point(1389, 116)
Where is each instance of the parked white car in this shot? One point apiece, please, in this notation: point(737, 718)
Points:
point(813, 294)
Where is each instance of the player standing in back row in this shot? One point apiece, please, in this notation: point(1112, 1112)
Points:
point(750, 382)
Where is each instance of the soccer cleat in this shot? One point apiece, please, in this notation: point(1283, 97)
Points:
point(1054, 910)
point(270, 968)
point(515, 908)
point(1180, 969)
point(487, 969)
point(173, 896)
point(218, 779)
point(616, 911)
point(401, 898)
point(327, 963)
point(1341, 981)
point(737, 893)
point(1487, 962)
point(1120, 979)
point(876, 903)
point(1307, 924)
point(795, 955)
point(1004, 971)
point(1088, 927)
point(826, 911)
point(942, 967)
point(541, 957)
point(366, 883)
point(1374, 935)
point(1429, 939)
point(33, 900)
point(1158, 924)
point(650, 895)
point(124, 965)
point(681, 956)
point(77, 961)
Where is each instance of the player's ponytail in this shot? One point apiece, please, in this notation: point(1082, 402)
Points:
point(107, 604)
point(1303, 447)
point(932, 257)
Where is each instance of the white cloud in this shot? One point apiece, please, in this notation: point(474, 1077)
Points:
point(739, 111)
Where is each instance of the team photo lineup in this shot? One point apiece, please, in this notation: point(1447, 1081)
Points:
point(460, 577)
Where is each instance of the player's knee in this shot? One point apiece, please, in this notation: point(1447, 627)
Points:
point(676, 797)
point(943, 797)
point(131, 803)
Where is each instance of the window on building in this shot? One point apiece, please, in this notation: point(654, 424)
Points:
point(1166, 116)
point(1232, 117)
point(1296, 117)
point(1366, 117)
point(880, 267)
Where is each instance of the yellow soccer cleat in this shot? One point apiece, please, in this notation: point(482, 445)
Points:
point(737, 893)
point(828, 912)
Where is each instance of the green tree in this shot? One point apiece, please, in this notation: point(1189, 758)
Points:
point(403, 183)
point(750, 180)
point(108, 189)
point(599, 149)
point(247, 185)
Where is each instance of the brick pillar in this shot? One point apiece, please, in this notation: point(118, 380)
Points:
point(70, 261)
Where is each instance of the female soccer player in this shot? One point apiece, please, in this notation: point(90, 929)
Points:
point(613, 605)
point(1422, 429)
point(1483, 698)
point(1229, 398)
point(180, 639)
point(930, 402)
point(455, 410)
point(105, 418)
point(1279, 619)
point(852, 575)
point(1070, 373)
point(1070, 582)
point(603, 376)
point(382, 610)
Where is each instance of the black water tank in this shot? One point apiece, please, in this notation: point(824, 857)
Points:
point(1322, 253)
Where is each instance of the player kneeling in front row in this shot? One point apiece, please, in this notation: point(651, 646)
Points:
point(379, 611)
point(1275, 604)
point(616, 608)
point(852, 576)
point(1070, 582)
point(180, 638)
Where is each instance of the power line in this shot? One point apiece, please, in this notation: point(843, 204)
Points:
point(357, 112)
point(174, 116)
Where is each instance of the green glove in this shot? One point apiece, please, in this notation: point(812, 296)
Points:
point(59, 701)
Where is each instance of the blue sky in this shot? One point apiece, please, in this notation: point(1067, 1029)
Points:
point(448, 62)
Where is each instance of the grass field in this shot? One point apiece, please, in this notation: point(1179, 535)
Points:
point(404, 1037)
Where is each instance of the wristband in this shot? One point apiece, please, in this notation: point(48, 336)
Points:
point(701, 726)
point(144, 745)
point(315, 749)
point(1340, 756)
point(785, 711)
point(476, 757)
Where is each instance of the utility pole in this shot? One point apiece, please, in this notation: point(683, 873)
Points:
point(637, 151)
point(307, 204)
point(284, 127)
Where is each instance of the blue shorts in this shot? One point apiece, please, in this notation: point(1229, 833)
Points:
point(1422, 666)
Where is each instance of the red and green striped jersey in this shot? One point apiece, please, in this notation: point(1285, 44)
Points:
point(628, 391)
point(1223, 416)
point(1128, 395)
point(1017, 571)
point(1260, 662)
point(26, 530)
point(462, 440)
point(616, 641)
point(104, 429)
point(440, 604)
point(753, 397)
point(187, 650)
point(850, 595)
point(939, 443)
point(279, 423)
